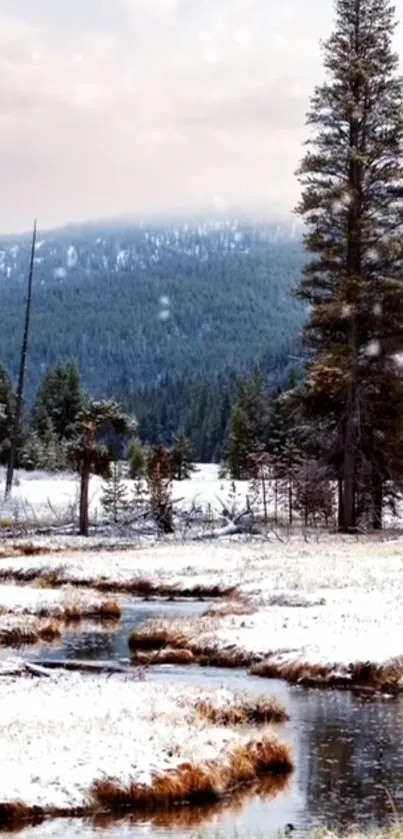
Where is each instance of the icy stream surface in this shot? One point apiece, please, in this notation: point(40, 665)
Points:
point(348, 750)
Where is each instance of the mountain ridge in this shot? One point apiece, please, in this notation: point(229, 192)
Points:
point(134, 303)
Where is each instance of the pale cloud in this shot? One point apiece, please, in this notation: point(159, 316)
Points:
point(153, 106)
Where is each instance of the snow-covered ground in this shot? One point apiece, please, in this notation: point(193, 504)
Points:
point(332, 600)
point(61, 734)
point(43, 497)
point(24, 600)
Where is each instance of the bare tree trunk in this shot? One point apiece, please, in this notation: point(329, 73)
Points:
point(21, 376)
point(340, 505)
point(84, 492)
point(290, 501)
point(354, 278)
point(264, 496)
point(350, 456)
point(377, 501)
point(276, 500)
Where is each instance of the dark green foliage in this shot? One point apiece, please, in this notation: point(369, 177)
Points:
point(115, 497)
point(181, 457)
point(199, 406)
point(352, 203)
point(100, 299)
point(7, 408)
point(47, 452)
point(247, 427)
point(58, 401)
point(99, 431)
point(137, 457)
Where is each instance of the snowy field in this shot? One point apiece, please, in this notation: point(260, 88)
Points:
point(48, 498)
point(331, 600)
point(24, 600)
point(59, 735)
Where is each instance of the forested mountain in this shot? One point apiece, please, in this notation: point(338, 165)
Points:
point(136, 306)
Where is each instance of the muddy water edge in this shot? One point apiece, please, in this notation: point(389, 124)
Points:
point(348, 751)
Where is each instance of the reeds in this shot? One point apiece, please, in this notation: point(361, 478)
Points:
point(76, 611)
point(193, 783)
point(365, 675)
point(19, 635)
point(244, 711)
point(137, 586)
point(155, 638)
point(198, 815)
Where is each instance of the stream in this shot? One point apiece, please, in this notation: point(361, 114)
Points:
point(348, 751)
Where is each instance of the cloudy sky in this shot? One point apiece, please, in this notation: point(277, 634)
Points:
point(110, 107)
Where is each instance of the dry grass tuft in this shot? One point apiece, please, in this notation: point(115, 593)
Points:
point(109, 610)
point(137, 586)
point(22, 549)
point(155, 639)
point(48, 579)
point(15, 813)
point(75, 612)
point(196, 784)
point(197, 815)
point(49, 631)
point(245, 711)
point(20, 635)
point(166, 655)
point(17, 636)
point(28, 549)
point(233, 659)
point(293, 671)
point(230, 607)
point(366, 675)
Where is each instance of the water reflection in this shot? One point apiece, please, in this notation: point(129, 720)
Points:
point(348, 752)
point(108, 640)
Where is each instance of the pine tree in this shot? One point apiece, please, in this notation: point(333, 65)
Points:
point(97, 431)
point(137, 456)
point(114, 498)
point(59, 400)
point(182, 457)
point(159, 485)
point(352, 203)
point(247, 427)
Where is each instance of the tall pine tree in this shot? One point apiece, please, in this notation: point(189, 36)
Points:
point(352, 203)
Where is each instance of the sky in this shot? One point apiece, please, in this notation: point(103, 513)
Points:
point(154, 107)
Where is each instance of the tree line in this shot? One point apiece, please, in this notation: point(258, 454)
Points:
point(337, 430)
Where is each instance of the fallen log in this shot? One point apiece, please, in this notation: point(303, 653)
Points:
point(76, 665)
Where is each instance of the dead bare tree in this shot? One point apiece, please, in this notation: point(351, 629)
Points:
point(21, 376)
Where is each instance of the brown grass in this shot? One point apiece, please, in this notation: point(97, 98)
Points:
point(197, 816)
point(166, 655)
point(16, 636)
point(260, 767)
point(137, 586)
point(48, 579)
point(245, 711)
point(20, 635)
point(234, 659)
point(75, 612)
point(23, 549)
point(14, 814)
point(155, 639)
point(193, 783)
point(49, 631)
point(193, 817)
point(364, 675)
point(230, 607)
